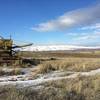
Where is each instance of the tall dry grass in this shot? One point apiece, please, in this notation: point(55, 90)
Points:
point(80, 88)
point(70, 64)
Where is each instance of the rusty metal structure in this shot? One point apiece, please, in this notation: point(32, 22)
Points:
point(8, 54)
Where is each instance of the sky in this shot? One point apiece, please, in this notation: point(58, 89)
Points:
point(74, 22)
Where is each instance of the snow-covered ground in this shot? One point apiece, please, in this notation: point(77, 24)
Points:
point(56, 47)
point(53, 76)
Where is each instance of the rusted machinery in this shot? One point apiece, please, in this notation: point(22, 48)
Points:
point(8, 54)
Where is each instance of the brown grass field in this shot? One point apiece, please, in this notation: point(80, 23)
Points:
point(79, 88)
point(70, 64)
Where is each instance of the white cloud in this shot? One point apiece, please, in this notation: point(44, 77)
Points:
point(44, 27)
point(70, 19)
point(92, 27)
point(88, 35)
point(86, 38)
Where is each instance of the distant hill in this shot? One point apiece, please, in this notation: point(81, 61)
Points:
point(58, 47)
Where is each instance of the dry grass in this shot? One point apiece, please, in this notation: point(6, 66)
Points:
point(62, 54)
point(81, 88)
point(15, 71)
point(70, 64)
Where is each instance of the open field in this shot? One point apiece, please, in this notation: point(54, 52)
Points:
point(62, 54)
point(49, 49)
point(53, 76)
point(70, 64)
point(80, 88)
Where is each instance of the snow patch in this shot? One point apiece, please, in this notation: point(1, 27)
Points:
point(46, 78)
point(56, 47)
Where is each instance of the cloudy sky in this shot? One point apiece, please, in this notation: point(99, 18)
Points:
point(74, 22)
